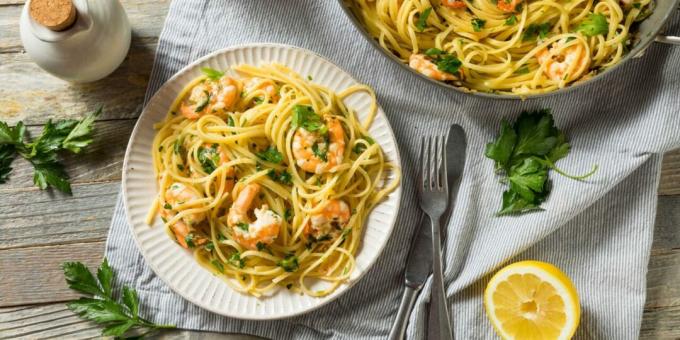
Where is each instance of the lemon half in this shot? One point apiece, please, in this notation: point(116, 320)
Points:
point(532, 300)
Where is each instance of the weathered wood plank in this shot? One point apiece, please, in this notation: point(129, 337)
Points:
point(54, 320)
point(661, 323)
point(669, 183)
point(27, 93)
point(34, 218)
point(34, 275)
point(101, 161)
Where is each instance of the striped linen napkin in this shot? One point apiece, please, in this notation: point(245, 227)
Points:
point(599, 232)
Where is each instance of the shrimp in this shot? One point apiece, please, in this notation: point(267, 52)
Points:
point(454, 3)
point(564, 64)
point(508, 6)
point(330, 221)
point(317, 153)
point(210, 96)
point(421, 64)
point(178, 194)
point(249, 234)
point(266, 85)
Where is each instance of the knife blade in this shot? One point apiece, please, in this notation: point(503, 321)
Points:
point(419, 260)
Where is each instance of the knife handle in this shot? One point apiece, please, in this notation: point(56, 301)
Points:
point(398, 331)
point(438, 322)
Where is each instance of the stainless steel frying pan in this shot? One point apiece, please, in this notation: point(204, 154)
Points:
point(649, 31)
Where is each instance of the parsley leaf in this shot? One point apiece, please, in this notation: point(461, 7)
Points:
point(271, 154)
point(71, 135)
point(243, 226)
point(595, 24)
point(431, 52)
point(212, 73)
point(289, 263)
point(218, 265)
point(100, 307)
point(422, 19)
point(448, 63)
point(7, 155)
point(80, 135)
point(534, 30)
point(511, 20)
point(525, 152)
point(321, 153)
point(209, 158)
point(305, 117)
point(236, 260)
point(478, 24)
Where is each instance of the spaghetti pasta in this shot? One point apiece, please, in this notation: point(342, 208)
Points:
point(268, 178)
point(516, 47)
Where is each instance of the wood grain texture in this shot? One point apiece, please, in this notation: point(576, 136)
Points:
point(34, 275)
point(669, 184)
point(33, 218)
point(27, 93)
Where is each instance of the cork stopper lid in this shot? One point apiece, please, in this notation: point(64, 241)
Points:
point(56, 15)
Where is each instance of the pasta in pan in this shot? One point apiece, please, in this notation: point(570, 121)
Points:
point(268, 178)
point(515, 47)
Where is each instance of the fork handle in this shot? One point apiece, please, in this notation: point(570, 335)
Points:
point(438, 323)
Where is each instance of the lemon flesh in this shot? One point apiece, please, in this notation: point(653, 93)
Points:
point(532, 300)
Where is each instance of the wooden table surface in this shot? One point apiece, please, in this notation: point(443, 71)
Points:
point(41, 229)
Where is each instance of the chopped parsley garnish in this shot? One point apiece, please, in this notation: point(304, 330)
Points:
point(448, 64)
point(189, 239)
point(167, 206)
point(258, 100)
point(236, 260)
point(359, 148)
point(534, 30)
point(212, 73)
point(309, 78)
point(243, 226)
point(204, 103)
point(178, 146)
point(289, 263)
point(478, 24)
point(511, 20)
point(209, 246)
point(522, 70)
point(230, 121)
point(282, 177)
point(209, 158)
point(260, 246)
point(422, 19)
point(445, 62)
point(288, 214)
point(221, 237)
point(321, 153)
point(271, 154)
point(595, 24)
point(305, 117)
point(218, 265)
point(524, 153)
point(431, 52)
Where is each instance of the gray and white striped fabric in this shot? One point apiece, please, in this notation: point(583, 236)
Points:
point(599, 232)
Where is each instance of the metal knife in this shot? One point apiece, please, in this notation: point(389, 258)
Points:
point(419, 261)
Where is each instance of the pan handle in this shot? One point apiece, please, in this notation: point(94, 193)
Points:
point(667, 39)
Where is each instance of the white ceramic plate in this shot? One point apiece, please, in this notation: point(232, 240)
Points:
point(175, 265)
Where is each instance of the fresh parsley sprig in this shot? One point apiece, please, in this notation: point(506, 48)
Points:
point(524, 153)
point(593, 25)
point(70, 135)
point(117, 318)
point(445, 62)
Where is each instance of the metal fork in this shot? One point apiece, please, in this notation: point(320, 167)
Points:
point(433, 194)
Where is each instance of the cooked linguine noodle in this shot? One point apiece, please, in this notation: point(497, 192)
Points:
point(504, 46)
point(268, 178)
